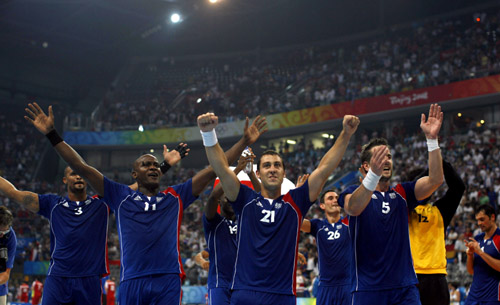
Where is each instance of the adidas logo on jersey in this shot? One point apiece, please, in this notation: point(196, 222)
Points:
point(137, 198)
point(374, 196)
point(392, 196)
point(158, 199)
point(65, 204)
point(259, 204)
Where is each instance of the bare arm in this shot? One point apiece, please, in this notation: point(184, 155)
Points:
point(251, 134)
point(4, 276)
point(200, 260)
point(332, 158)
point(26, 199)
point(306, 226)
point(213, 202)
point(425, 186)
point(355, 203)
point(473, 247)
point(45, 124)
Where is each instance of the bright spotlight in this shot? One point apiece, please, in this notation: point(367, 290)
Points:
point(175, 18)
point(198, 100)
point(482, 122)
point(213, 1)
point(151, 150)
point(292, 142)
point(459, 114)
point(141, 128)
point(325, 135)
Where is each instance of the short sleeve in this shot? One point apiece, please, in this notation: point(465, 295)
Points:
point(314, 226)
point(46, 203)
point(185, 191)
point(115, 192)
point(347, 191)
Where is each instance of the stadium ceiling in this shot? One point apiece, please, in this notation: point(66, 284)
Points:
point(100, 32)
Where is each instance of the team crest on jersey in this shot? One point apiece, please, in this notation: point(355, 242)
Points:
point(137, 198)
point(158, 199)
point(339, 227)
point(392, 196)
point(374, 196)
point(259, 204)
point(278, 205)
point(489, 242)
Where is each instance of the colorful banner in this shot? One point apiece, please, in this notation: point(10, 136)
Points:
point(453, 91)
point(36, 268)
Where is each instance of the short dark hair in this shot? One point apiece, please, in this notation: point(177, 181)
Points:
point(322, 197)
point(271, 153)
point(6, 217)
point(366, 153)
point(487, 209)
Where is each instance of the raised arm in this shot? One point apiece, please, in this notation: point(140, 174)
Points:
point(28, 200)
point(170, 158)
point(425, 186)
point(448, 204)
point(332, 158)
point(216, 157)
point(250, 135)
point(45, 124)
point(355, 203)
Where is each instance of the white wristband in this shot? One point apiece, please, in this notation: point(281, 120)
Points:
point(371, 180)
point(432, 144)
point(209, 138)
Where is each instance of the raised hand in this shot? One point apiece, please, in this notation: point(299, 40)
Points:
point(242, 162)
point(301, 259)
point(432, 125)
point(301, 180)
point(39, 119)
point(207, 121)
point(350, 124)
point(472, 246)
point(172, 157)
point(252, 133)
point(379, 157)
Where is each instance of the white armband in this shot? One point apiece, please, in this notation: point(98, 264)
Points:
point(371, 180)
point(209, 138)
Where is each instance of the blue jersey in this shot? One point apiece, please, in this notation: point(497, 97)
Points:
point(78, 235)
point(10, 241)
point(334, 250)
point(380, 239)
point(148, 228)
point(485, 285)
point(268, 240)
point(220, 234)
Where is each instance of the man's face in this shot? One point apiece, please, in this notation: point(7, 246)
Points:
point(73, 181)
point(484, 221)
point(330, 205)
point(4, 230)
point(271, 172)
point(387, 171)
point(147, 171)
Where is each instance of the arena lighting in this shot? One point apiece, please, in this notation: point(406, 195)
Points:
point(213, 1)
point(332, 136)
point(141, 128)
point(175, 18)
point(198, 100)
point(151, 150)
point(292, 142)
point(482, 122)
point(325, 135)
point(459, 114)
point(478, 19)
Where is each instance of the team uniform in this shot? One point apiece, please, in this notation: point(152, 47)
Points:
point(9, 243)
point(36, 292)
point(334, 259)
point(427, 239)
point(220, 234)
point(78, 247)
point(485, 287)
point(268, 239)
point(383, 270)
point(23, 293)
point(151, 267)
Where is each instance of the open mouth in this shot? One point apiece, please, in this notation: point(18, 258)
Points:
point(153, 175)
point(79, 183)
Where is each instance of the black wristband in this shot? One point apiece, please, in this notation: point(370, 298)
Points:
point(182, 150)
point(164, 167)
point(54, 137)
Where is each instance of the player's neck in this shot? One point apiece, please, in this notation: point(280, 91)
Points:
point(490, 232)
point(271, 194)
point(80, 196)
point(148, 191)
point(333, 218)
point(383, 186)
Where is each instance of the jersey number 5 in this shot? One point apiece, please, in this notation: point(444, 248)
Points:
point(385, 207)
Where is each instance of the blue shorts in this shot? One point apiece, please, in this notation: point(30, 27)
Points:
point(334, 295)
point(156, 289)
point(218, 296)
point(60, 290)
point(252, 297)
point(399, 296)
